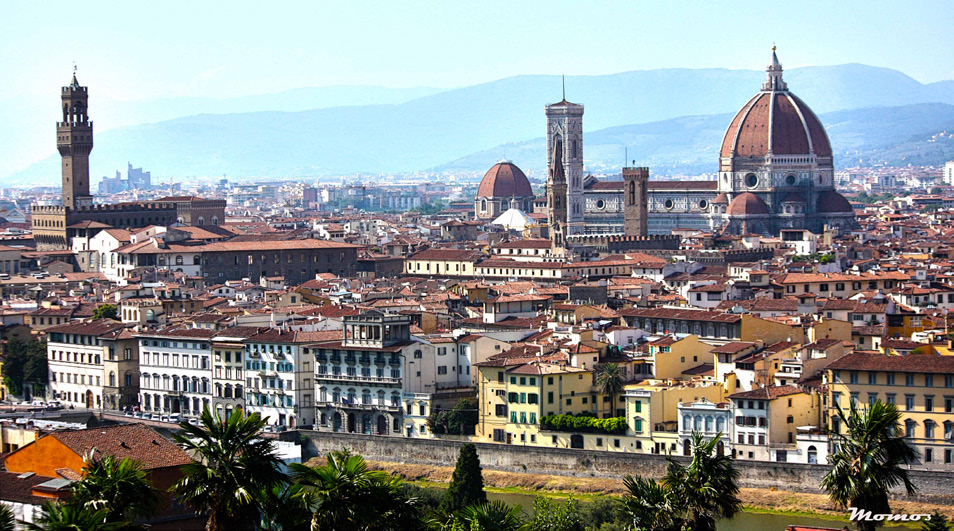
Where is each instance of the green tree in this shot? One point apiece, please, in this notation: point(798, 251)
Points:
point(707, 486)
point(67, 517)
point(233, 469)
point(287, 507)
point(106, 311)
point(7, 521)
point(460, 420)
point(24, 362)
point(489, 516)
point(609, 381)
point(550, 516)
point(692, 496)
point(868, 460)
point(347, 496)
point(119, 487)
point(938, 522)
point(467, 483)
point(648, 505)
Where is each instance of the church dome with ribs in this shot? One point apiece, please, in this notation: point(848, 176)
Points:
point(775, 121)
point(747, 204)
point(504, 180)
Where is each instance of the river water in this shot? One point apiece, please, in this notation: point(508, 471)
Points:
point(746, 521)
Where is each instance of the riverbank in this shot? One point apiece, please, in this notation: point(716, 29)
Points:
point(755, 500)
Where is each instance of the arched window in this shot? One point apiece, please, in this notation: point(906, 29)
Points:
point(112, 379)
point(720, 424)
point(687, 422)
point(632, 193)
point(709, 422)
point(697, 423)
point(179, 259)
point(483, 205)
point(812, 455)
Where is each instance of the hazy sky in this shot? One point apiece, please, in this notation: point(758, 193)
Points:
point(140, 50)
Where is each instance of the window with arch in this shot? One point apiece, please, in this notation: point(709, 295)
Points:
point(179, 259)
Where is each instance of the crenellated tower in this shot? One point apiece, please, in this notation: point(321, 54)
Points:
point(636, 201)
point(74, 140)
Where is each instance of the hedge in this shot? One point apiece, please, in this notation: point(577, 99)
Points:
point(585, 424)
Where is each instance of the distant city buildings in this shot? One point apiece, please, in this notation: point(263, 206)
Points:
point(136, 179)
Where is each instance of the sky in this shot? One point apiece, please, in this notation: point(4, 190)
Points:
point(152, 50)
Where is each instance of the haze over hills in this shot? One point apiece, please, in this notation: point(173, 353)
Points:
point(689, 145)
point(681, 115)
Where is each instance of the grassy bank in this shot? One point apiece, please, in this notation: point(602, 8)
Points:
point(755, 500)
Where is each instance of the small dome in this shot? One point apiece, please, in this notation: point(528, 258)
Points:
point(504, 180)
point(721, 199)
point(832, 202)
point(747, 204)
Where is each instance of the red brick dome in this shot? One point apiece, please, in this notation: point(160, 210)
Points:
point(721, 199)
point(747, 204)
point(831, 202)
point(504, 180)
point(775, 121)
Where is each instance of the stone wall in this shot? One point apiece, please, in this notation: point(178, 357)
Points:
point(933, 486)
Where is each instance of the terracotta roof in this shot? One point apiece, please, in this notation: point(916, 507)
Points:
point(767, 393)
point(504, 180)
point(733, 347)
point(833, 202)
point(881, 362)
point(136, 441)
point(747, 204)
point(689, 315)
point(776, 122)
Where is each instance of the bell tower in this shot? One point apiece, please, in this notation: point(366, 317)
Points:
point(74, 141)
point(565, 131)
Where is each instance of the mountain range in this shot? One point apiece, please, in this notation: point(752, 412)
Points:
point(671, 120)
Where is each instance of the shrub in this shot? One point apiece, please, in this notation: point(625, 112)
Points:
point(586, 424)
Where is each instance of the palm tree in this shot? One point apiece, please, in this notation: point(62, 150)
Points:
point(609, 381)
point(232, 470)
point(491, 516)
point(648, 505)
point(286, 508)
point(868, 458)
point(120, 487)
point(68, 517)
point(706, 488)
point(7, 521)
point(348, 496)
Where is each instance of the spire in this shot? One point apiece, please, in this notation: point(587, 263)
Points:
point(75, 83)
point(563, 77)
point(773, 75)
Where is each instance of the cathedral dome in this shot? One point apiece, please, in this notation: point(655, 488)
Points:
point(833, 203)
point(721, 199)
point(775, 122)
point(504, 180)
point(747, 204)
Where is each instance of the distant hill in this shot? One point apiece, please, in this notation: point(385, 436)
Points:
point(921, 134)
point(679, 109)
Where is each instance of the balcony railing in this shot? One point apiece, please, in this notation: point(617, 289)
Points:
point(357, 378)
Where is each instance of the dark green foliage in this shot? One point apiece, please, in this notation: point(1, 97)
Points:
point(7, 520)
point(106, 311)
point(233, 471)
point(550, 516)
point(695, 495)
point(286, 507)
point(604, 513)
point(869, 460)
point(67, 517)
point(609, 381)
point(458, 421)
point(24, 362)
point(344, 495)
point(583, 423)
point(867, 199)
point(120, 487)
point(938, 522)
point(489, 516)
point(467, 483)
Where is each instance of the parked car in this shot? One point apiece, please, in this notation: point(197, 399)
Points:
point(175, 417)
point(137, 415)
point(194, 422)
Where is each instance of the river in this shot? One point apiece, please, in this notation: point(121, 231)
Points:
point(746, 521)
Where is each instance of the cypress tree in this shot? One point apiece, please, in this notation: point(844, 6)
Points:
point(467, 483)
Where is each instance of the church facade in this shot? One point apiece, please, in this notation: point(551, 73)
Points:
point(775, 172)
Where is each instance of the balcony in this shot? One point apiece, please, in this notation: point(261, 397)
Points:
point(335, 358)
point(350, 359)
point(357, 378)
point(394, 360)
point(321, 358)
point(379, 360)
point(364, 359)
